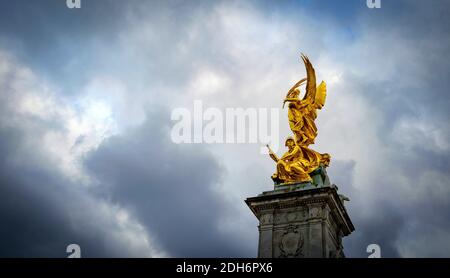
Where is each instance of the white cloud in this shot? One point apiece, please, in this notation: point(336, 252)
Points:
point(58, 133)
point(246, 58)
point(432, 243)
point(207, 82)
point(235, 55)
point(419, 131)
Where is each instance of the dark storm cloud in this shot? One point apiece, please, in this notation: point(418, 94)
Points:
point(44, 27)
point(43, 207)
point(54, 39)
point(171, 188)
point(382, 226)
point(36, 210)
point(419, 78)
point(57, 41)
point(417, 93)
point(63, 43)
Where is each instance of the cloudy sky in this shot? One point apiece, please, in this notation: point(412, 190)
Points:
point(86, 97)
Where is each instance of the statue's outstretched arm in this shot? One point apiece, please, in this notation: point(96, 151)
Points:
point(272, 154)
point(296, 100)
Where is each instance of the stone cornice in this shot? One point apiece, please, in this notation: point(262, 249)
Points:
point(303, 198)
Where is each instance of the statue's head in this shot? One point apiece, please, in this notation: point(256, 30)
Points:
point(290, 142)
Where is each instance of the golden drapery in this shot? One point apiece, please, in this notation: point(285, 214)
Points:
point(296, 164)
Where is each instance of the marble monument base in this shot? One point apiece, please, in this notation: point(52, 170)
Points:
point(306, 220)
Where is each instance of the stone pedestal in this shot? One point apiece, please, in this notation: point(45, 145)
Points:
point(306, 220)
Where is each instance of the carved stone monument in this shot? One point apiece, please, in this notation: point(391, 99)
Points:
point(304, 220)
point(303, 216)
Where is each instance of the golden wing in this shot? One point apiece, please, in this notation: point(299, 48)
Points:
point(316, 96)
point(321, 95)
point(311, 80)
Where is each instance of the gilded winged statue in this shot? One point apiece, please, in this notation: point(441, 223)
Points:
point(299, 161)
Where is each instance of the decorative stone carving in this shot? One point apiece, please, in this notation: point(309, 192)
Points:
point(301, 222)
point(266, 219)
point(291, 243)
